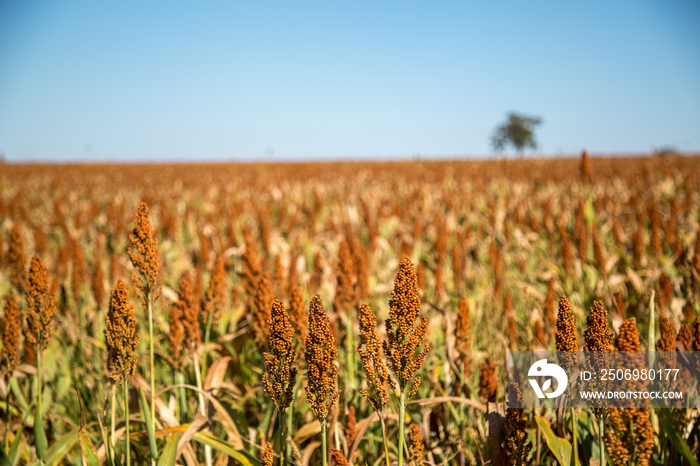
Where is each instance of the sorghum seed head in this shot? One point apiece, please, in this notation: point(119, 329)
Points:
point(216, 292)
point(406, 329)
point(667, 340)
point(297, 314)
point(565, 336)
point(16, 259)
point(143, 253)
point(9, 356)
point(488, 385)
point(628, 339)
point(415, 446)
point(597, 335)
point(376, 373)
point(189, 313)
point(121, 336)
point(40, 304)
point(321, 354)
point(685, 337)
point(281, 373)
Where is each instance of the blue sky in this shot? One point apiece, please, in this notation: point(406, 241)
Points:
point(127, 80)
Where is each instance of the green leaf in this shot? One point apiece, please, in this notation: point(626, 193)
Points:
point(13, 454)
point(670, 428)
point(241, 456)
point(169, 455)
point(88, 450)
point(40, 441)
point(560, 447)
point(589, 211)
point(4, 460)
point(61, 448)
point(145, 410)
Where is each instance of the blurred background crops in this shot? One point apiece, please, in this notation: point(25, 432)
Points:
point(510, 236)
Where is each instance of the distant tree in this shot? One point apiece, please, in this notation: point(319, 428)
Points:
point(517, 131)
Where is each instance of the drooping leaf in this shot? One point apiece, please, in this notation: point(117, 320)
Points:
point(88, 450)
point(560, 447)
point(145, 410)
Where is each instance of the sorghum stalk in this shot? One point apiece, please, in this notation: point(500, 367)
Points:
point(143, 253)
point(376, 372)
point(322, 373)
point(40, 310)
point(126, 421)
point(405, 337)
point(122, 340)
point(567, 343)
point(9, 355)
point(281, 374)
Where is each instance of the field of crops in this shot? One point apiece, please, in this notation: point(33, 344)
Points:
point(337, 313)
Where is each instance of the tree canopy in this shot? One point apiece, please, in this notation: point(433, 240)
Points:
point(517, 131)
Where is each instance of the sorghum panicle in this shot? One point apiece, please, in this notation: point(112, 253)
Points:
point(345, 296)
point(463, 333)
point(586, 169)
point(297, 314)
point(262, 302)
point(176, 336)
point(415, 446)
point(16, 259)
point(281, 373)
point(338, 457)
point(216, 292)
point(515, 426)
point(376, 373)
point(40, 304)
point(9, 356)
point(685, 338)
point(121, 335)
point(597, 335)
point(189, 313)
point(321, 355)
point(143, 253)
point(406, 329)
point(78, 272)
point(268, 455)
point(488, 385)
point(350, 426)
point(667, 340)
point(565, 336)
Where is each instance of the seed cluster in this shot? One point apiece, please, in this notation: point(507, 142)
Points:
point(143, 253)
point(565, 336)
point(216, 292)
point(189, 313)
point(321, 355)
point(121, 335)
point(416, 448)
point(281, 373)
point(40, 305)
point(345, 296)
point(376, 373)
point(488, 385)
point(630, 431)
point(9, 356)
point(515, 426)
point(404, 336)
point(463, 333)
point(16, 259)
point(297, 314)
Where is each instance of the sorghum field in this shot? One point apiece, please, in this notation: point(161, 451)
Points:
point(337, 313)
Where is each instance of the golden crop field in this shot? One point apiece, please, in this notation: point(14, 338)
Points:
point(337, 313)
